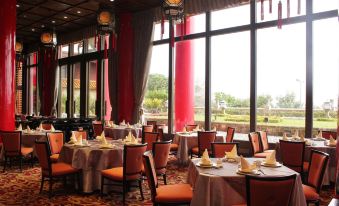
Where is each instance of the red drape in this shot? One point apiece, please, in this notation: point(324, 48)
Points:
point(125, 68)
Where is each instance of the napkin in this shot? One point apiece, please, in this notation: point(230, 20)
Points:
point(302, 138)
point(52, 129)
point(320, 134)
point(184, 129)
point(123, 123)
point(202, 129)
point(332, 141)
point(233, 153)
point(270, 159)
point(296, 134)
point(246, 166)
point(73, 138)
point(128, 137)
point(285, 136)
point(103, 140)
point(134, 140)
point(79, 138)
point(19, 128)
point(28, 129)
point(205, 159)
point(108, 124)
point(197, 128)
point(40, 127)
point(128, 125)
point(214, 129)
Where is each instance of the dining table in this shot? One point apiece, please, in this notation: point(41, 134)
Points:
point(187, 140)
point(91, 159)
point(224, 186)
point(121, 131)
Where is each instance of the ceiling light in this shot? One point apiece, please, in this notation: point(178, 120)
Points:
point(18, 5)
point(111, 0)
point(65, 17)
point(53, 22)
point(33, 29)
point(42, 26)
point(25, 16)
point(79, 12)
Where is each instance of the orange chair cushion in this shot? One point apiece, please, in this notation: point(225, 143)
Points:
point(26, 150)
point(261, 154)
point(310, 193)
point(62, 168)
point(181, 193)
point(195, 150)
point(305, 165)
point(54, 157)
point(174, 147)
point(117, 174)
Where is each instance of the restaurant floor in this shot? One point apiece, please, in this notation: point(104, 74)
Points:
point(23, 189)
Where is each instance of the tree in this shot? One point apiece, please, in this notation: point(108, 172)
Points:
point(288, 101)
point(157, 82)
point(264, 101)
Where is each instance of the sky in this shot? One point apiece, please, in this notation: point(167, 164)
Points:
point(281, 57)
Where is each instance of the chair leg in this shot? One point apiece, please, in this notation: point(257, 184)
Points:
point(102, 185)
point(124, 189)
point(32, 160)
point(79, 182)
point(140, 187)
point(5, 163)
point(20, 163)
point(42, 183)
point(164, 177)
point(10, 162)
point(50, 187)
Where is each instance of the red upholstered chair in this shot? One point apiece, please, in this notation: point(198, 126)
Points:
point(166, 194)
point(83, 134)
point(328, 134)
point(159, 126)
point(131, 171)
point(161, 152)
point(146, 128)
point(56, 142)
point(315, 177)
point(264, 142)
point(204, 142)
point(190, 127)
point(13, 148)
point(255, 144)
point(230, 134)
point(46, 126)
point(150, 138)
point(98, 128)
point(219, 148)
point(269, 191)
point(53, 171)
point(292, 155)
point(154, 125)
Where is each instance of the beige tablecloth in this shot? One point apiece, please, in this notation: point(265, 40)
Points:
point(120, 132)
point(187, 141)
point(223, 187)
point(92, 160)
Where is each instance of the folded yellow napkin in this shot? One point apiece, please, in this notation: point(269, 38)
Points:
point(52, 129)
point(184, 129)
point(134, 140)
point(197, 128)
point(246, 166)
point(214, 129)
point(40, 127)
point(205, 159)
point(302, 138)
point(73, 138)
point(128, 137)
point(103, 141)
point(320, 135)
point(28, 129)
point(285, 136)
point(123, 123)
point(19, 128)
point(296, 134)
point(233, 153)
point(270, 159)
point(332, 141)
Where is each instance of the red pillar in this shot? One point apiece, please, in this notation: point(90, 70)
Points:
point(7, 64)
point(125, 68)
point(184, 79)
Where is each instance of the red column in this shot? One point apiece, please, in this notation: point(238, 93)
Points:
point(7, 64)
point(184, 79)
point(125, 68)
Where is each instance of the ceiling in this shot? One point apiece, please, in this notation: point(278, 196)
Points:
point(34, 16)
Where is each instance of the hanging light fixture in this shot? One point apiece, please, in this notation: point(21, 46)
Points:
point(48, 38)
point(174, 9)
point(105, 20)
point(18, 47)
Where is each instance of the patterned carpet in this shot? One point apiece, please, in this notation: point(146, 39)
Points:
point(23, 189)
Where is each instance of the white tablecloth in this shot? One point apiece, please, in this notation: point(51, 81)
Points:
point(120, 132)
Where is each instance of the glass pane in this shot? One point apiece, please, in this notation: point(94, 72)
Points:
point(63, 91)
point(321, 5)
point(76, 89)
point(274, 15)
point(155, 103)
point(189, 87)
point(33, 91)
point(107, 98)
point(281, 79)
point(91, 47)
point(63, 52)
point(326, 74)
point(157, 31)
point(230, 17)
point(231, 81)
point(92, 96)
point(32, 59)
point(18, 88)
point(194, 24)
point(77, 48)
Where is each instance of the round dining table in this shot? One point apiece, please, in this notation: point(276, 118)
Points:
point(120, 132)
point(224, 186)
point(91, 160)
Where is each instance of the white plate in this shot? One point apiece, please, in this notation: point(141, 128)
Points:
point(206, 166)
point(254, 172)
point(277, 164)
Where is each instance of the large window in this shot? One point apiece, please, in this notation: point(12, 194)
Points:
point(92, 87)
point(63, 91)
point(76, 89)
point(33, 107)
point(326, 74)
point(231, 81)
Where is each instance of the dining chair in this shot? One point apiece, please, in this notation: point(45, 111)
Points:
point(177, 194)
point(255, 145)
point(13, 149)
point(149, 138)
point(190, 127)
point(53, 171)
point(219, 148)
point(269, 191)
point(83, 134)
point(98, 128)
point(161, 152)
point(173, 146)
point(292, 155)
point(46, 126)
point(153, 123)
point(204, 142)
point(131, 171)
point(146, 128)
point(327, 134)
point(56, 141)
point(315, 176)
point(230, 134)
point(159, 126)
point(264, 142)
